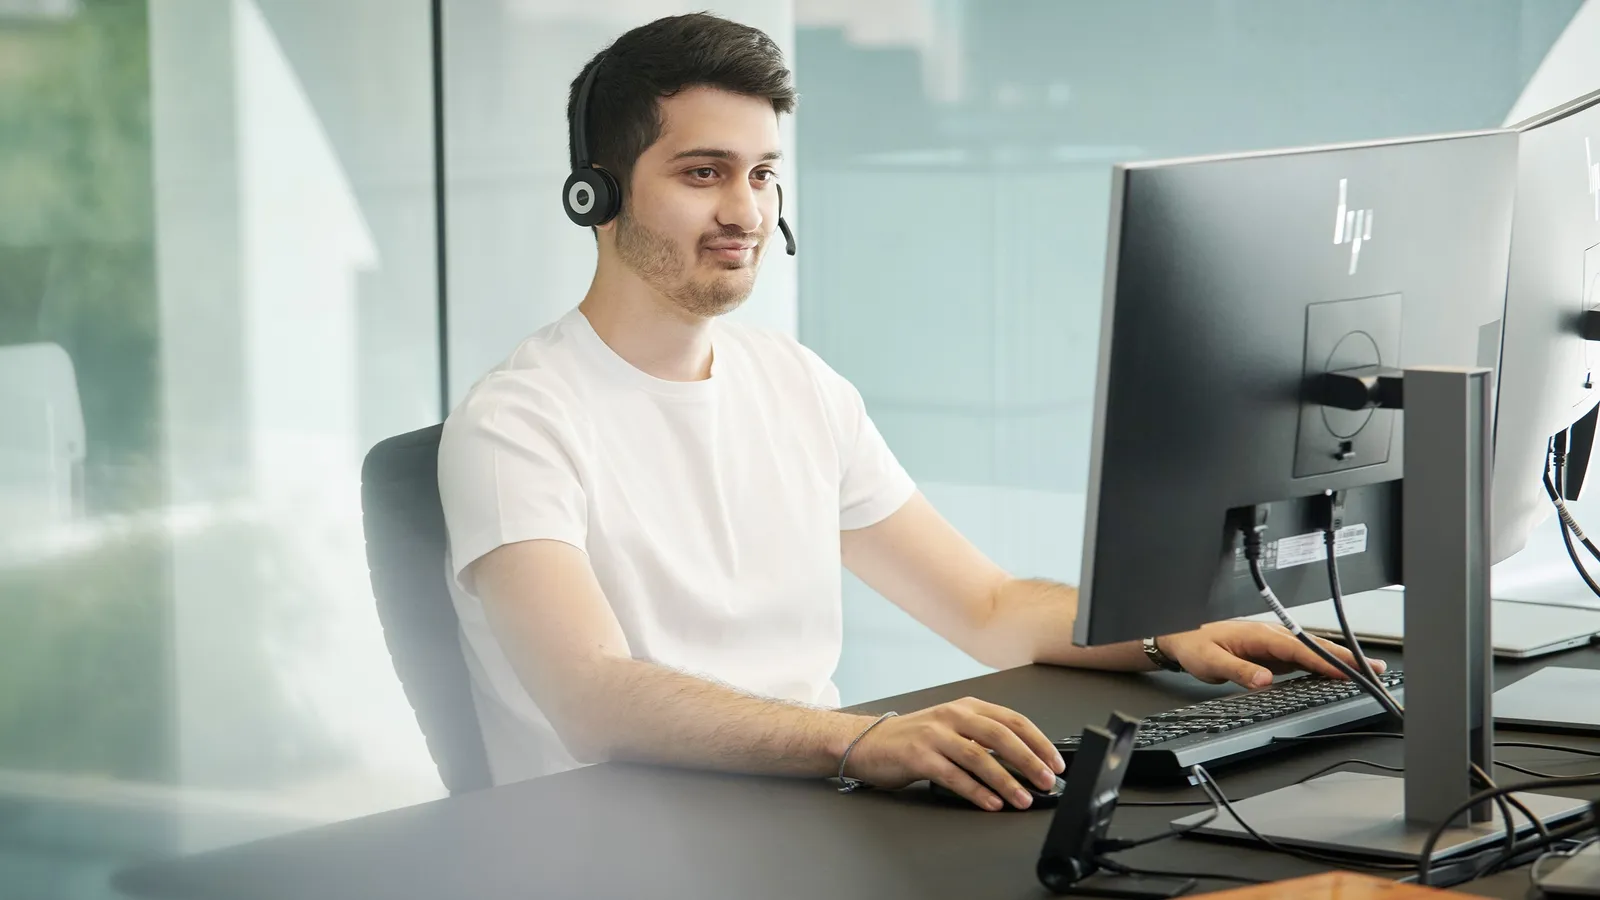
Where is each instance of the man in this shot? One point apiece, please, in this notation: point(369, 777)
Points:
point(648, 506)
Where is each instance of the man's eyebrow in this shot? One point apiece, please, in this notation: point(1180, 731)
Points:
point(715, 153)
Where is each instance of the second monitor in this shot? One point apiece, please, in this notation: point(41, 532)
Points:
point(1234, 283)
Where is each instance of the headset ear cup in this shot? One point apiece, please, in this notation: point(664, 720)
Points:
point(590, 197)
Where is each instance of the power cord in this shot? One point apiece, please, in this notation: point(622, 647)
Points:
point(1333, 520)
point(1536, 876)
point(1350, 762)
point(1207, 783)
point(1332, 524)
point(1121, 869)
point(1252, 552)
point(1516, 768)
point(1352, 735)
point(1556, 460)
point(1425, 863)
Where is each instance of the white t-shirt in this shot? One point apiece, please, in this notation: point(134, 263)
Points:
point(710, 510)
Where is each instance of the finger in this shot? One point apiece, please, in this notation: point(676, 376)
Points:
point(1022, 727)
point(952, 776)
point(1348, 655)
point(1216, 665)
point(977, 761)
point(1307, 659)
point(1005, 742)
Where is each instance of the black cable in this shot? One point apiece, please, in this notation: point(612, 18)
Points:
point(1373, 689)
point(1567, 519)
point(1115, 845)
point(1329, 539)
point(1516, 768)
point(1557, 747)
point(1557, 461)
point(1121, 869)
point(1165, 803)
point(1535, 876)
point(1425, 864)
point(1504, 804)
point(1206, 784)
point(1530, 745)
point(1306, 738)
point(1350, 762)
point(1526, 852)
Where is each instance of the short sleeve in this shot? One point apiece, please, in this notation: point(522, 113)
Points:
point(507, 473)
point(872, 483)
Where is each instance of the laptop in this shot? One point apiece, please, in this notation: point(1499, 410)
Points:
point(1551, 699)
point(1519, 630)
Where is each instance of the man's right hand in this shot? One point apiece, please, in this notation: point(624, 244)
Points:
point(950, 744)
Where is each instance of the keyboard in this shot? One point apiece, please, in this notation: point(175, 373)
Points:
point(1227, 729)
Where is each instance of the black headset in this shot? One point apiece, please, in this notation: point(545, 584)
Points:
point(592, 196)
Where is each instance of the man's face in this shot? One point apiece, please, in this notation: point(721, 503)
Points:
point(703, 201)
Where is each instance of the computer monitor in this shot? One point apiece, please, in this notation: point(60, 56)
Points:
point(1547, 369)
point(1232, 283)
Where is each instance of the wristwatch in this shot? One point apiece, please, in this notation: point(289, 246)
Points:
point(1159, 659)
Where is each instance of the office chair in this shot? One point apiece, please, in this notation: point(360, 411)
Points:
point(406, 543)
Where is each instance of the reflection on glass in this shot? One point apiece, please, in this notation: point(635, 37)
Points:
point(956, 163)
point(216, 291)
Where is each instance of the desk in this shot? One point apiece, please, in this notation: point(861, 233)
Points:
point(629, 831)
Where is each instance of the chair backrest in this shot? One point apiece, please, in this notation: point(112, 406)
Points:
point(406, 545)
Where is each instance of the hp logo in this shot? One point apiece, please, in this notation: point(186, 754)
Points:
point(581, 198)
point(1351, 226)
point(1593, 169)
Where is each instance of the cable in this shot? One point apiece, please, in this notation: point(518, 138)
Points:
point(1455, 871)
point(1425, 864)
point(1372, 688)
point(1330, 534)
point(1307, 738)
point(1350, 762)
point(1559, 457)
point(1557, 460)
point(1535, 876)
point(1121, 869)
point(1165, 803)
point(1557, 747)
point(1117, 845)
point(1504, 804)
point(1206, 784)
point(1516, 768)
point(1530, 745)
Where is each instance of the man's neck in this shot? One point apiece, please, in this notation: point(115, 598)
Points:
point(648, 330)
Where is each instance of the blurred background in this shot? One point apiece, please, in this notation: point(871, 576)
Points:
point(241, 241)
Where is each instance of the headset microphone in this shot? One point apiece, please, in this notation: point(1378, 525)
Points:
point(788, 236)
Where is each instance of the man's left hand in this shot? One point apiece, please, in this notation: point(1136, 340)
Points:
point(1248, 653)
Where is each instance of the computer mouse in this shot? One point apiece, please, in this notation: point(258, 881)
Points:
point(1041, 799)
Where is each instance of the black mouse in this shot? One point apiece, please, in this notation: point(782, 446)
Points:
point(1041, 799)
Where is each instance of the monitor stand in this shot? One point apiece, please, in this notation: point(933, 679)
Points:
point(1449, 687)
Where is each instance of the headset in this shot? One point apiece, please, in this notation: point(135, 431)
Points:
point(592, 196)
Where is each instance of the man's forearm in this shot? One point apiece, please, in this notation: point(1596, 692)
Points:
point(641, 712)
point(1032, 622)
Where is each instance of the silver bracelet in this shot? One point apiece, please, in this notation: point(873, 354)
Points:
point(849, 784)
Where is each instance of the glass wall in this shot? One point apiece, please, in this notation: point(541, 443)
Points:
point(217, 289)
point(956, 175)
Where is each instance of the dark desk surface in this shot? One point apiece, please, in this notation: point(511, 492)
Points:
point(631, 832)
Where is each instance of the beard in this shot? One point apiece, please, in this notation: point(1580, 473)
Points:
point(657, 261)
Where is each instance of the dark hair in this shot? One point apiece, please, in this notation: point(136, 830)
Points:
point(660, 59)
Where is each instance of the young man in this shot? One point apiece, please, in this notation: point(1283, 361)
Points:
point(648, 506)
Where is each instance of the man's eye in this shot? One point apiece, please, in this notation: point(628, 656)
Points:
point(767, 175)
point(704, 172)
